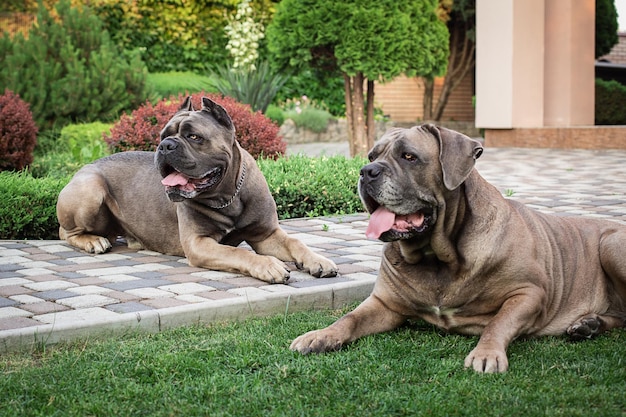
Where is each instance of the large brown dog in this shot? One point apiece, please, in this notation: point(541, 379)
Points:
point(218, 198)
point(462, 257)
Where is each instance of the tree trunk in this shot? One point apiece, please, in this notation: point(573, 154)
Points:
point(355, 114)
point(427, 105)
point(371, 124)
point(461, 60)
point(347, 88)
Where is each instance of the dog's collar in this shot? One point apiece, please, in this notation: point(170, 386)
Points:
point(239, 185)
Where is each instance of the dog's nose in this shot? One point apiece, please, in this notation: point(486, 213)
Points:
point(371, 171)
point(167, 145)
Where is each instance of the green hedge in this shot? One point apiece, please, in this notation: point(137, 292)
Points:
point(28, 206)
point(610, 99)
point(301, 186)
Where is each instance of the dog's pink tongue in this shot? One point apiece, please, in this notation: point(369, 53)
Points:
point(175, 179)
point(381, 220)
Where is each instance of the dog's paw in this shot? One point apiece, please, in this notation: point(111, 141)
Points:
point(585, 328)
point(316, 341)
point(271, 270)
point(90, 243)
point(319, 267)
point(99, 245)
point(487, 360)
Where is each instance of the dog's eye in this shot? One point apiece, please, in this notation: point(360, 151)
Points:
point(193, 137)
point(409, 157)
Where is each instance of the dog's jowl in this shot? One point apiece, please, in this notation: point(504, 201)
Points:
point(199, 195)
point(462, 257)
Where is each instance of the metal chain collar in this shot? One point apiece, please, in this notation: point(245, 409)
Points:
point(239, 185)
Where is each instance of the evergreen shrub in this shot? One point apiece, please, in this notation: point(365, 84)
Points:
point(140, 130)
point(69, 70)
point(18, 132)
point(312, 187)
point(610, 98)
point(28, 206)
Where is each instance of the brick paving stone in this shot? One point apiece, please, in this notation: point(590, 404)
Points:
point(137, 283)
point(86, 301)
point(154, 275)
point(26, 299)
point(150, 293)
point(186, 288)
point(117, 278)
point(111, 270)
point(54, 294)
point(163, 302)
point(34, 271)
point(9, 312)
point(50, 285)
point(6, 302)
point(191, 298)
point(9, 290)
point(17, 323)
point(89, 289)
point(217, 295)
point(83, 315)
point(122, 296)
point(14, 281)
point(217, 285)
point(44, 307)
point(85, 281)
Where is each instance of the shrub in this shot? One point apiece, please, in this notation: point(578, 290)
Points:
point(311, 187)
point(307, 114)
point(28, 206)
point(322, 86)
point(68, 69)
point(275, 114)
point(18, 132)
point(610, 99)
point(140, 130)
point(62, 153)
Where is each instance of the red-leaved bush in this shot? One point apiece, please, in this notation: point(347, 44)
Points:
point(140, 130)
point(18, 132)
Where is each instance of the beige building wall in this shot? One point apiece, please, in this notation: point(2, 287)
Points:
point(402, 98)
point(534, 63)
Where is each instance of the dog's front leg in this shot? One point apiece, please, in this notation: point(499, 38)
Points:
point(516, 315)
point(207, 253)
point(286, 248)
point(372, 316)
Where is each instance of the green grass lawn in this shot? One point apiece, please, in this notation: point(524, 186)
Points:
point(246, 369)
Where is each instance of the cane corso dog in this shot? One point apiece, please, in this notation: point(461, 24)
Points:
point(200, 195)
point(462, 257)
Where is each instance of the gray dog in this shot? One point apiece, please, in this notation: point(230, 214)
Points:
point(200, 195)
point(462, 257)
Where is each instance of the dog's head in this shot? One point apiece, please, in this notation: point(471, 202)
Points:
point(409, 171)
point(196, 149)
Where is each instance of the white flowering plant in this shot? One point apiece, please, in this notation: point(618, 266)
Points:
point(244, 35)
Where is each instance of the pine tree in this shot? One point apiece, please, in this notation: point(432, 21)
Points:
point(69, 70)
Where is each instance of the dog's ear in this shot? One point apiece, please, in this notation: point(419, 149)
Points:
point(457, 155)
point(187, 105)
point(218, 112)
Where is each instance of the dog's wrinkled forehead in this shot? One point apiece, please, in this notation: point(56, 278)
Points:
point(188, 121)
point(396, 141)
